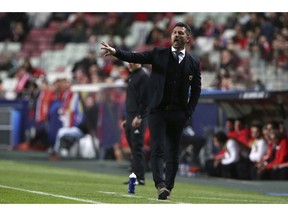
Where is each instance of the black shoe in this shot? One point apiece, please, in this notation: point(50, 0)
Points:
point(140, 182)
point(163, 192)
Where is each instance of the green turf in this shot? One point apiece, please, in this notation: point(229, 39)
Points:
point(105, 188)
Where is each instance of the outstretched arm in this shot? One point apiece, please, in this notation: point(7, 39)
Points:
point(128, 56)
point(109, 50)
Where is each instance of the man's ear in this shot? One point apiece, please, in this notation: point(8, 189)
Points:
point(188, 39)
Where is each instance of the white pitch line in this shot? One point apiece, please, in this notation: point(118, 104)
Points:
point(107, 192)
point(50, 194)
point(136, 196)
point(83, 200)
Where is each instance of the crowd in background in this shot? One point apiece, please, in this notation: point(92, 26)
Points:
point(249, 151)
point(226, 50)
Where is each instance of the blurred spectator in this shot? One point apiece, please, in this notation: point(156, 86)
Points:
point(5, 26)
point(78, 31)
point(253, 22)
point(229, 126)
point(223, 80)
point(93, 44)
point(113, 24)
point(34, 71)
point(252, 41)
point(267, 129)
point(43, 102)
point(243, 18)
point(14, 26)
point(95, 76)
point(224, 164)
point(267, 28)
point(265, 49)
point(23, 77)
point(156, 37)
point(259, 85)
point(282, 128)
point(17, 33)
point(7, 64)
point(98, 28)
point(229, 60)
point(86, 62)
point(80, 77)
point(270, 167)
point(87, 125)
point(206, 65)
point(38, 135)
point(240, 39)
point(208, 28)
point(241, 133)
point(63, 34)
point(259, 148)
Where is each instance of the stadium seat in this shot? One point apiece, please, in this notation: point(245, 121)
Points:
point(2, 45)
point(204, 44)
point(13, 47)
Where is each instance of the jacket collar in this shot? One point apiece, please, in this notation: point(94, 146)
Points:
point(182, 51)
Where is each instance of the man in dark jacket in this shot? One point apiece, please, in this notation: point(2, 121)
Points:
point(133, 124)
point(174, 88)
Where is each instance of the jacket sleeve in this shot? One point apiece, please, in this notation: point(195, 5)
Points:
point(134, 57)
point(195, 89)
point(143, 89)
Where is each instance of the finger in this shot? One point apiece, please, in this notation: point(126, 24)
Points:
point(104, 44)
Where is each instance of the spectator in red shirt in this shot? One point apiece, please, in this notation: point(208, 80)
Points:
point(271, 167)
point(33, 71)
point(241, 133)
point(229, 126)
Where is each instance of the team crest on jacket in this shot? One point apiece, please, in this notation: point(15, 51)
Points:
point(190, 77)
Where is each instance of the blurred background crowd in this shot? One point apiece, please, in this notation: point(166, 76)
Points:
point(237, 50)
point(43, 55)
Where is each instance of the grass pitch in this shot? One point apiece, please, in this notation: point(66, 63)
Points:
point(24, 183)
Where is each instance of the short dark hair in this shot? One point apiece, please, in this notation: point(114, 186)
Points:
point(187, 27)
point(221, 136)
point(257, 125)
point(230, 120)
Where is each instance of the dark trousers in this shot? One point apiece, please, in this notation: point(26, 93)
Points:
point(277, 174)
point(229, 170)
point(135, 138)
point(211, 170)
point(165, 133)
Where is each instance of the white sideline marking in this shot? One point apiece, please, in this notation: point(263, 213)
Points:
point(53, 195)
point(107, 192)
point(82, 200)
point(136, 196)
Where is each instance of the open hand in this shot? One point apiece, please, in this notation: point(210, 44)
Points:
point(109, 50)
